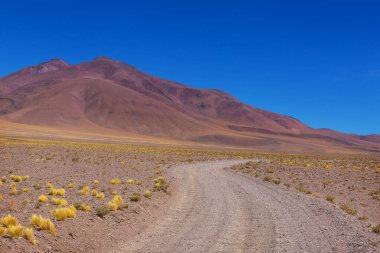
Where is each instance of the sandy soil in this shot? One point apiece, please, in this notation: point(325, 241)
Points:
point(62, 163)
point(217, 210)
point(340, 184)
point(196, 203)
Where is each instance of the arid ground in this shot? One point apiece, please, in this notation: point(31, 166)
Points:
point(201, 200)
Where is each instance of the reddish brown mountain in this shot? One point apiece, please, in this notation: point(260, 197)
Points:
point(112, 97)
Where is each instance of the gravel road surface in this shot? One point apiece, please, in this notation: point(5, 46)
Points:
point(214, 209)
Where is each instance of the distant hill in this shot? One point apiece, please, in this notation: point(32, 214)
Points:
point(113, 97)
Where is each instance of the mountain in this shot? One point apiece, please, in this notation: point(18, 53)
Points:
point(115, 99)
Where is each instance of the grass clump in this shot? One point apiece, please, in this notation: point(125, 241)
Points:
point(8, 221)
point(61, 192)
point(82, 207)
point(303, 189)
point(330, 198)
point(3, 231)
point(267, 178)
point(348, 209)
point(160, 184)
point(16, 178)
point(14, 191)
point(42, 223)
point(130, 181)
point(102, 211)
point(148, 194)
point(136, 197)
point(70, 185)
point(59, 202)
point(116, 203)
point(29, 234)
point(100, 195)
point(84, 190)
point(376, 229)
point(43, 198)
point(16, 231)
point(37, 186)
point(64, 213)
point(115, 181)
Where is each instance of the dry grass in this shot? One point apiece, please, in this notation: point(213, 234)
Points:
point(348, 209)
point(42, 223)
point(64, 213)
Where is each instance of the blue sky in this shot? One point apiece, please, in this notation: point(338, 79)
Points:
point(318, 61)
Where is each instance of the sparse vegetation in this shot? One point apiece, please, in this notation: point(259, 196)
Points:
point(348, 209)
point(135, 197)
point(64, 213)
point(303, 188)
point(116, 203)
point(148, 194)
point(330, 198)
point(134, 167)
point(102, 211)
point(42, 223)
point(376, 229)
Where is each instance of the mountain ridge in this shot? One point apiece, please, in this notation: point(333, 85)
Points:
point(117, 96)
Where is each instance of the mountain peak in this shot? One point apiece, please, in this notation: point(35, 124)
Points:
point(103, 58)
point(52, 65)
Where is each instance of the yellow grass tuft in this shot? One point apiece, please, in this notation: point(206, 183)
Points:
point(14, 191)
point(43, 198)
point(49, 185)
point(26, 190)
point(147, 194)
point(115, 181)
point(61, 192)
point(96, 181)
point(114, 192)
point(71, 185)
point(94, 193)
point(84, 190)
point(29, 234)
point(64, 213)
point(16, 178)
point(42, 223)
point(8, 221)
point(3, 231)
point(130, 181)
point(100, 195)
point(60, 202)
point(83, 207)
point(116, 203)
point(16, 231)
point(3, 179)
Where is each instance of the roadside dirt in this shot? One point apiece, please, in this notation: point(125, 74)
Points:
point(214, 209)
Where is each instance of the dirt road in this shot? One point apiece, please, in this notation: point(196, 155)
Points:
point(216, 210)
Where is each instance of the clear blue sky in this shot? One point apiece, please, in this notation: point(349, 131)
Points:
point(318, 61)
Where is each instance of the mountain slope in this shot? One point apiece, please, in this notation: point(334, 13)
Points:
point(113, 95)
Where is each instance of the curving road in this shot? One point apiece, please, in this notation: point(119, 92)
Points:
point(216, 210)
